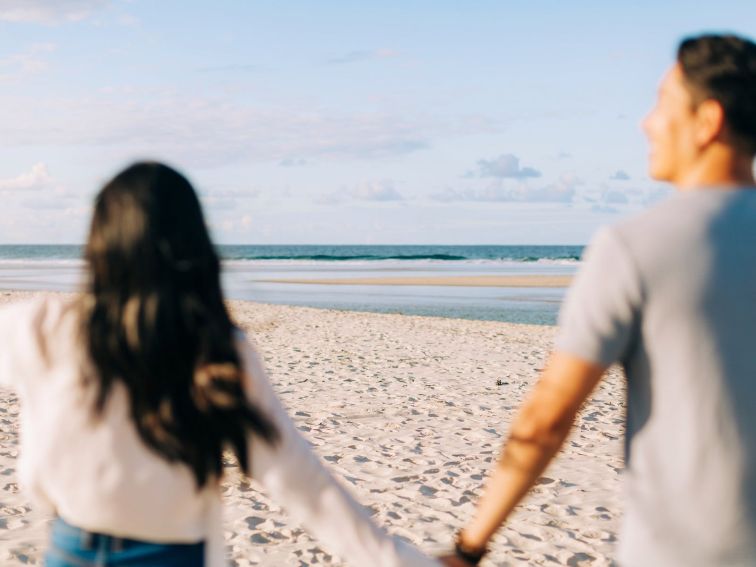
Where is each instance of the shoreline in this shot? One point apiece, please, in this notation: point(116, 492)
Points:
point(525, 306)
point(446, 281)
point(243, 304)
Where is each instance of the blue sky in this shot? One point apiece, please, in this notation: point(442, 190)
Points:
point(508, 122)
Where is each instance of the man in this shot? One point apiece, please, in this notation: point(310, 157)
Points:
point(671, 295)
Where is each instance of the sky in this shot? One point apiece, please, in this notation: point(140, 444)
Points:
point(334, 122)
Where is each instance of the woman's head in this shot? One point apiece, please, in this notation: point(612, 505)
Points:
point(154, 320)
point(148, 233)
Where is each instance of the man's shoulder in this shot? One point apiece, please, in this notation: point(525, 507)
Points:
point(681, 227)
point(685, 216)
point(673, 224)
point(657, 217)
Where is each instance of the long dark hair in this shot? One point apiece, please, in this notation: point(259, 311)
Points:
point(153, 318)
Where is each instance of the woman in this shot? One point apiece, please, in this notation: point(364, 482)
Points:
point(131, 392)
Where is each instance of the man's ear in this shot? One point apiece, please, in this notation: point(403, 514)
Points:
point(710, 122)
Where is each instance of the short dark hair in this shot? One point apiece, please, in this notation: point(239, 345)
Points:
point(723, 68)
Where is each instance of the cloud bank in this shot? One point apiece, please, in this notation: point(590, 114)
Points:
point(48, 11)
point(209, 132)
point(561, 191)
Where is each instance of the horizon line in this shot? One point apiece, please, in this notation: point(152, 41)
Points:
point(304, 244)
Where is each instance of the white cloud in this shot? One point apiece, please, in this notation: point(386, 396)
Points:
point(37, 178)
point(333, 198)
point(377, 191)
point(605, 198)
point(365, 55)
point(227, 199)
point(620, 175)
point(48, 11)
point(292, 162)
point(30, 61)
point(615, 198)
point(38, 190)
point(505, 166)
point(230, 67)
point(604, 209)
point(231, 194)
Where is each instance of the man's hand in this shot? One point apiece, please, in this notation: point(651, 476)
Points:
point(453, 561)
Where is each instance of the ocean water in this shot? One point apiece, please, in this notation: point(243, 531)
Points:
point(333, 253)
point(248, 269)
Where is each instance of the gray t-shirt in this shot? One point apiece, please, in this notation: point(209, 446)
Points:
point(671, 295)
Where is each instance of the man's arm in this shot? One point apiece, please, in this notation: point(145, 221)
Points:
point(536, 435)
point(597, 323)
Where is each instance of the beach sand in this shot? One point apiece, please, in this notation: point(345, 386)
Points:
point(408, 414)
point(454, 281)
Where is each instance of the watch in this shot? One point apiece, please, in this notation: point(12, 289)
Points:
point(472, 555)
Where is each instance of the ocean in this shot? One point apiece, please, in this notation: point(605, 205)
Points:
point(249, 269)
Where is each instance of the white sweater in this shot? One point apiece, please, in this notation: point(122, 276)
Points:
point(98, 474)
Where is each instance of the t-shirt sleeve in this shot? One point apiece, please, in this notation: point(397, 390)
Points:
point(601, 309)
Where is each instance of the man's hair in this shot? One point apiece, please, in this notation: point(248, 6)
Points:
point(723, 68)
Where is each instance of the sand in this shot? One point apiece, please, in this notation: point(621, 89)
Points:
point(453, 281)
point(408, 413)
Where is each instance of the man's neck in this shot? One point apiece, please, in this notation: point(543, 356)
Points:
point(718, 168)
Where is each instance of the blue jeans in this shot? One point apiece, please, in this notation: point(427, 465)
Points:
point(74, 547)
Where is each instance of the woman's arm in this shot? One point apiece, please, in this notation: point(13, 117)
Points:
point(295, 477)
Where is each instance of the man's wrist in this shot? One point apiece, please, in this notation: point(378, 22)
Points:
point(471, 540)
point(468, 549)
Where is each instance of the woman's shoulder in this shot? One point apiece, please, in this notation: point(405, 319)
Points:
point(33, 311)
point(50, 311)
point(33, 330)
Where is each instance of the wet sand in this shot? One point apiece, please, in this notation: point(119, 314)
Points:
point(455, 281)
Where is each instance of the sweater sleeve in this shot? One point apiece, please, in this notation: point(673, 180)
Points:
point(22, 345)
point(294, 476)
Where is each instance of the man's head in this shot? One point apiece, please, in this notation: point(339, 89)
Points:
point(706, 101)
